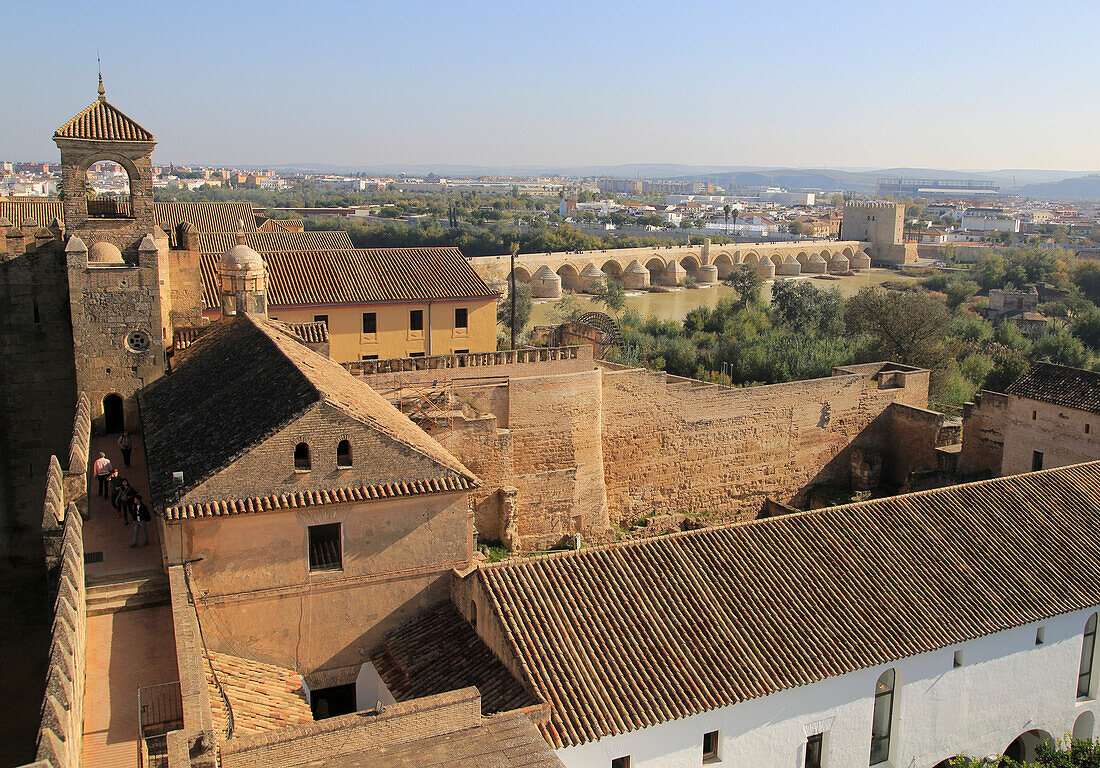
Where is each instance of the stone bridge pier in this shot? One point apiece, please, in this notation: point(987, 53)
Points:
point(549, 274)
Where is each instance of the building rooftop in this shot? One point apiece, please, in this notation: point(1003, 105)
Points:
point(276, 240)
point(439, 651)
point(102, 121)
point(248, 378)
point(263, 697)
point(359, 276)
point(1059, 385)
point(631, 635)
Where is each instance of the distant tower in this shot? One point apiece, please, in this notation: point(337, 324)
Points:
point(242, 280)
point(119, 283)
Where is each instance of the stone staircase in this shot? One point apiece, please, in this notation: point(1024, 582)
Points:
point(126, 591)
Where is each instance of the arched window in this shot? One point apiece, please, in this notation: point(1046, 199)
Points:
point(301, 457)
point(343, 455)
point(1088, 651)
point(882, 722)
point(107, 188)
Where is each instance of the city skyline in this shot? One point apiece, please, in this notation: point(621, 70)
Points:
point(982, 86)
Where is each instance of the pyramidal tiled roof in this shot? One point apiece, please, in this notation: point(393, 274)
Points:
point(102, 121)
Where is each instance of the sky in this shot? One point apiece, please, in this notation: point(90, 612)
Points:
point(881, 83)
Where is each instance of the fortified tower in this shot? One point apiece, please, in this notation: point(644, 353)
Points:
point(882, 225)
point(117, 259)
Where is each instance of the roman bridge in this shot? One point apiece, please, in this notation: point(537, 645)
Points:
point(639, 268)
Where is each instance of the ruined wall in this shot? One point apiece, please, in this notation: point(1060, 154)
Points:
point(983, 435)
point(703, 448)
point(912, 436)
point(186, 288)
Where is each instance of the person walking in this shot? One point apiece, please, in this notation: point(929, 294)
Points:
point(113, 485)
point(126, 496)
point(102, 470)
point(126, 444)
point(141, 520)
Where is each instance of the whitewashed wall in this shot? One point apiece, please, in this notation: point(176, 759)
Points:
point(1006, 686)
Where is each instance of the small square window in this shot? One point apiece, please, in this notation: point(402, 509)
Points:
point(416, 320)
point(1040, 635)
point(461, 318)
point(320, 319)
point(958, 660)
point(370, 357)
point(416, 354)
point(621, 762)
point(814, 750)
point(710, 747)
point(324, 547)
point(1034, 415)
point(462, 352)
point(370, 322)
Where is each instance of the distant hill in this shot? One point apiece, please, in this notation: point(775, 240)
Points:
point(1080, 188)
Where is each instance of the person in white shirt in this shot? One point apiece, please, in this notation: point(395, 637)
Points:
point(102, 470)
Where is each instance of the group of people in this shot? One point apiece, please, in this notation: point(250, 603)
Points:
point(129, 505)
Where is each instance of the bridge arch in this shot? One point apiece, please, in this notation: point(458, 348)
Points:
point(523, 275)
point(752, 258)
point(613, 269)
point(570, 276)
point(723, 262)
point(847, 252)
point(777, 259)
point(656, 267)
point(825, 254)
point(802, 257)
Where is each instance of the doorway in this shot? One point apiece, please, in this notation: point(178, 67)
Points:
point(113, 419)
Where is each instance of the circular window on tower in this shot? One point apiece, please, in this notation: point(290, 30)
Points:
point(137, 341)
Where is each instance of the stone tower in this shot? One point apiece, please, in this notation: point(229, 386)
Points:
point(117, 258)
point(242, 280)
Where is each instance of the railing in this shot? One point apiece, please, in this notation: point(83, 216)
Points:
point(469, 360)
point(110, 208)
point(160, 710)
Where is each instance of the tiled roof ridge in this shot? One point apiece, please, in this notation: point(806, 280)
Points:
point(774, 519)
point(317, 497)
point(443, 457)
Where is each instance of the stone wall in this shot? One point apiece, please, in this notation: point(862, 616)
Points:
point(912, 436)
point(983, 435)
point(1061, 435)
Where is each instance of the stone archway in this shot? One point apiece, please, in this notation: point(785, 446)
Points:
point(656, 267)
point(752, 258)
point(802, 257)
point(523, 275)
point(613, 269)
point(725, 265)
point(114, 415)
point(1022, 748)
point(570, 277)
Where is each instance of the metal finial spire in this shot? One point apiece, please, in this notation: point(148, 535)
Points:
point(102, 92)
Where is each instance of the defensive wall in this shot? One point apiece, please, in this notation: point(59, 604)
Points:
point(637, 268)
point(60, 732)
point(565, 445)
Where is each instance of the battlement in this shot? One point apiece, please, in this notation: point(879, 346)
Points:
point(871, 204)
point(470, 360)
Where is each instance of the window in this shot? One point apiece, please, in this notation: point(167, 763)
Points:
point(343, 455)
point(814, 749)
point(621, 762)
point(370, 357)
point(461, 318)
point(321, 319)
point(416, 320)
point(1040, 635)
point(710, 747)
point(462, 351)
point(1034, 415)
point(881, 722)
point(1088, 427)
point(416, 354)
point(958, 660)
point(1088, 648)
point(301, 457)
point(1036, 461)
point(38, 319)
point(330, 702)
point(370, 322)
point(324, 547)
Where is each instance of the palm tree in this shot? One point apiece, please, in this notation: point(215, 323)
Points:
point(726, 211)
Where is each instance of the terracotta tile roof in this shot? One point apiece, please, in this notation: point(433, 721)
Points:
point(280, 225)
point(243, 381)
point(312, 333)
point(438, 652)
point(207, 217)
point(504, 741)
point(263, 697)
point(630, 635)
point(42, 211)
point(299, 499)
point(1059, 385)
point(102, 121)
point(359, 276)
point(281, 240)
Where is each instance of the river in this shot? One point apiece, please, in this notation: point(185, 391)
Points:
point(675, 304)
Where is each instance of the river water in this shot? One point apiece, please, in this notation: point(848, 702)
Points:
point(675, 304)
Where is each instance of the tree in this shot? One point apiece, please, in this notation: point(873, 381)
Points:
point(747, 282)
point(1087, 328)
point(805, 308)
point(610, 293)
point(1086, 276)
point(990, 271)
point(959, 292)
point(523, 308)
point(909, 328)
point(1068, 753)
point(726, 213)
point(567, 308)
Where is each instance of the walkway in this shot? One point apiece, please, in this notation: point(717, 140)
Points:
point(126, 649)
point(106, 533)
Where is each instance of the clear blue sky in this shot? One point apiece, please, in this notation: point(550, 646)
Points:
point(876, 83)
